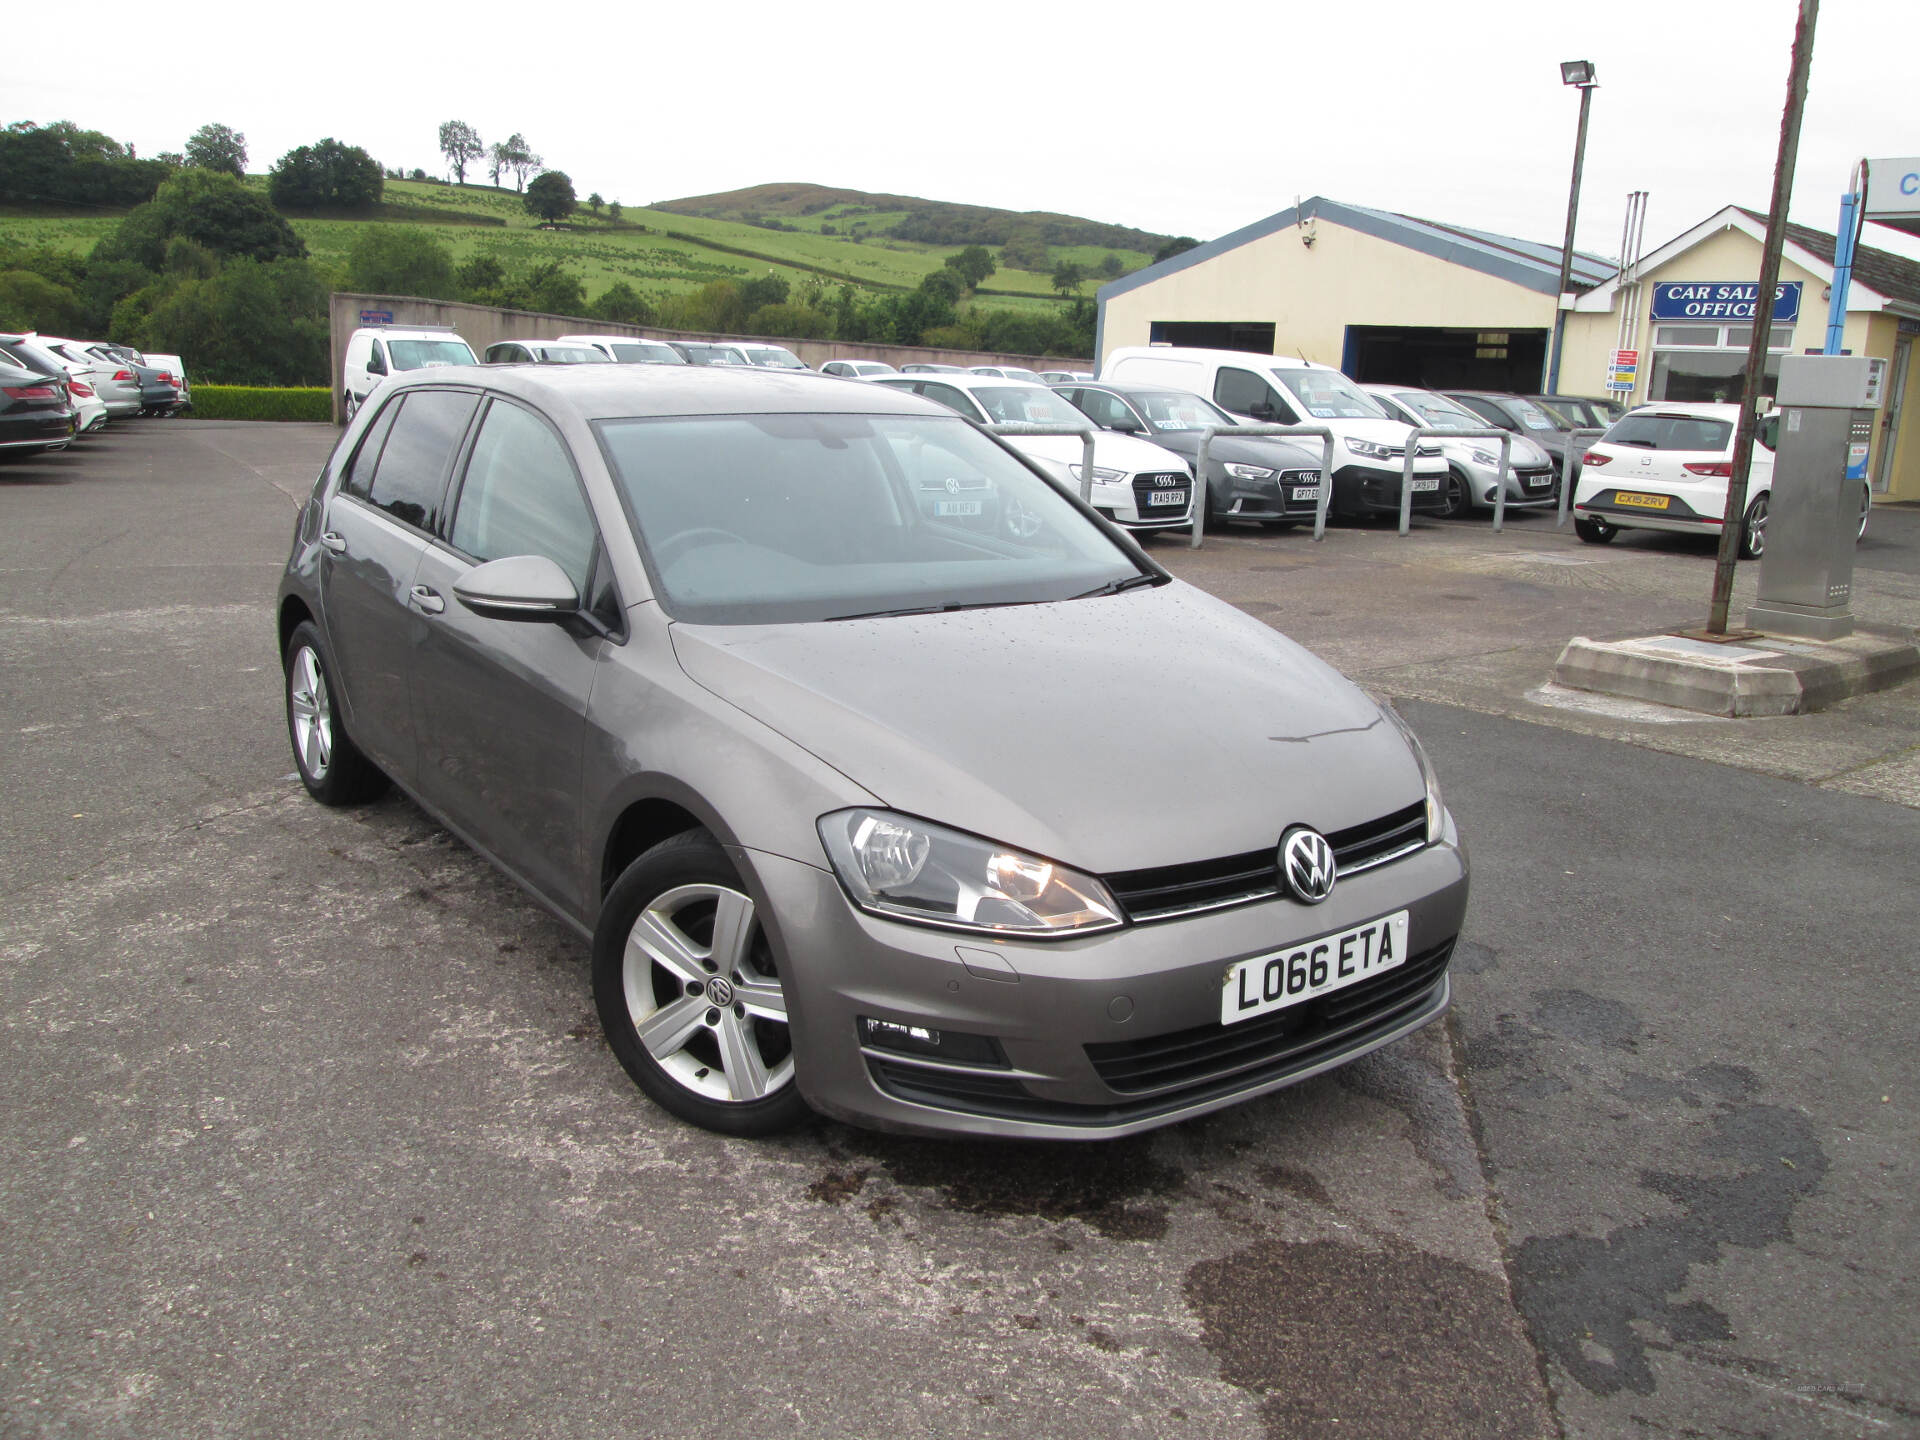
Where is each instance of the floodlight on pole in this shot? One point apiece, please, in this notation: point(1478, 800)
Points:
point(1578, 73)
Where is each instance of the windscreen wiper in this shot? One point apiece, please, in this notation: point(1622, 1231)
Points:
point(1114, 587)
point(929, 609)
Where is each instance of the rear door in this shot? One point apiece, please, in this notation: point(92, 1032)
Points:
point(499, 705)
point(376, 528)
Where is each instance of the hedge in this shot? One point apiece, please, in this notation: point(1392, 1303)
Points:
point(261, 402)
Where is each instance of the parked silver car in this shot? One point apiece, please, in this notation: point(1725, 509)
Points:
point(929, 827)
point(1473, 466)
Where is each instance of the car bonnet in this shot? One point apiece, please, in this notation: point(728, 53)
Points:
point(1110, 733)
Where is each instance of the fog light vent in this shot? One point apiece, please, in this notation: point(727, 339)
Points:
point(955, 1047)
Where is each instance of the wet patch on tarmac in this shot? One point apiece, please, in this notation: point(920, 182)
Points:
point(1591, 1019)
point(1594, 1303)
point(1340, 1341)
point(1114, 1187)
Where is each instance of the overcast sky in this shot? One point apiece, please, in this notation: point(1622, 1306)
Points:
point(1191, 119)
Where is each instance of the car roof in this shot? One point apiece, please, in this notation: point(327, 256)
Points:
point(967, 380)
point(582, 339)
point(1201, 352)
point(1709, 409)
point(598, 392)
point(401, 332)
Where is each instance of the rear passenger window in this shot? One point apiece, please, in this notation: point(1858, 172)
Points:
point(951, 397)
point(359, 476)
point(520, 497)
point(412, 473)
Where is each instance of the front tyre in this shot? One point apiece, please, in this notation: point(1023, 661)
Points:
point(1454, 501)
point(689, 991)
point(330, 764)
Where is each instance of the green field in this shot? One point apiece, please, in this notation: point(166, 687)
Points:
point(658, 252)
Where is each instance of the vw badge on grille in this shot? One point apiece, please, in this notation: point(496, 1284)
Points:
point(1306, 859)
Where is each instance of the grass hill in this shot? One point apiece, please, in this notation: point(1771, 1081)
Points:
point(825, 209)
point(677, 247)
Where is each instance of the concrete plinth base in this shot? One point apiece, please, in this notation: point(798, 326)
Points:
point(1753, 675)
point(1778, 618)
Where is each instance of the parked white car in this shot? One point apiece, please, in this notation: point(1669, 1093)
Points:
point(106, 374)
point(374, 352)
point(1135, 484)
point(1008, 372)
point(1666, 466)
point(630, 349)
point(767, 357)
point(1065, 377)
point(544, 352)
point(857, 369)
point(1370, 449)
point(1473, 466)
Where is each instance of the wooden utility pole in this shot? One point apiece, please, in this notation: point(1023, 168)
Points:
point(1734, 520)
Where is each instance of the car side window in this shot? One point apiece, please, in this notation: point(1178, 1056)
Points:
point(950, 397)
point(521, 496)
point(1244, 393)
point(411, 479)
point(358, 480)
point(1109, 412)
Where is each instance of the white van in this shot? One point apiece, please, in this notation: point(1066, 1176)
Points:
point(1369, 448)
point(377, 351)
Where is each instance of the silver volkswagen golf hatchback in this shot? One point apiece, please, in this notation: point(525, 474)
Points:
point(932, 816)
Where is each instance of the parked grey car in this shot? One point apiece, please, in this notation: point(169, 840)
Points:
point(929, 828)
point(1473, 466)
point(1249, 477)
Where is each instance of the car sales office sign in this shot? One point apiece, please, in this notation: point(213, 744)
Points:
point(1711, 301)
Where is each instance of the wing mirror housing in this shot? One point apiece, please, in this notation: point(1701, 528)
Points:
point(520, 587)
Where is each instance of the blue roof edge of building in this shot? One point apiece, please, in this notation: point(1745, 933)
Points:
point(1456, 246)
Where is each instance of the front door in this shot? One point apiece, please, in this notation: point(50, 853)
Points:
point(500, 705)
point(1889, 435)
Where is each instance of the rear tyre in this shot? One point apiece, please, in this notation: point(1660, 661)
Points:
point(689, 992)
point(330, 764)
point(351, 407)
point(1595, 532)
point(1753, 529)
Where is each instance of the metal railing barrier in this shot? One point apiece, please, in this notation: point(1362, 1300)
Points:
point(1319, 432)
point(1575, 446)
point(1085, 432)
point(1505, 437)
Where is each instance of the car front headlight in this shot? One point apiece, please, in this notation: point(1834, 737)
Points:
point(1482, 457)
point(1371, 449)
point(1100, 473)
point(1436, 808)
point(909, 869)
point(1248, 472)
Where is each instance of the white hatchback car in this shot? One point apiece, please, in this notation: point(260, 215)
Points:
point(857, 369)
point(1136, 484)
point(1666, 466)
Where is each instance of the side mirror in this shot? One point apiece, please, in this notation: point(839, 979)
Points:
point(376, 364)
point(520, 587)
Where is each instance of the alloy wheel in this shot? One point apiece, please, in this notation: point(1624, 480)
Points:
point(704, 994)
point(312, 708)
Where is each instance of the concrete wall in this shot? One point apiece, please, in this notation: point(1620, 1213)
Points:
point(484, 325)
point(1312, 294)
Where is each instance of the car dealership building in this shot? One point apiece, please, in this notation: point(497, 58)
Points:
point(1393, 299)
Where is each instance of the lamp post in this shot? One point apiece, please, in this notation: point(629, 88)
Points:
point(1578, 73)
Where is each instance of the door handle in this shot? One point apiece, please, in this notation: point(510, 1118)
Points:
point(428, 600)
point(334, 541)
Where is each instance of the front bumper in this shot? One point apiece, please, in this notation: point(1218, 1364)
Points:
point(1085, 1026)
point(1368, 490)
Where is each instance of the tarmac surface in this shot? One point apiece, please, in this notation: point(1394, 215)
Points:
point(310, 1129)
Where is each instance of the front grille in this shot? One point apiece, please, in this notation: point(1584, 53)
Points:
point(1145, 486)
point(1189, 1067)
point(1163, 891)
point(1208, 1052)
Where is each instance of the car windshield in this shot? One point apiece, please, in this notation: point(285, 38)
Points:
point(1436, 412)
point(1025, 405)
point(1329, 395)
point(871, 368)
point(776, 519)
point(712, 355)
point(419, 354)
point(1671, 432)
point(572, 355)
point(1177, 410)
point(644, 352)
point(775, 357)
point(1529, 414)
